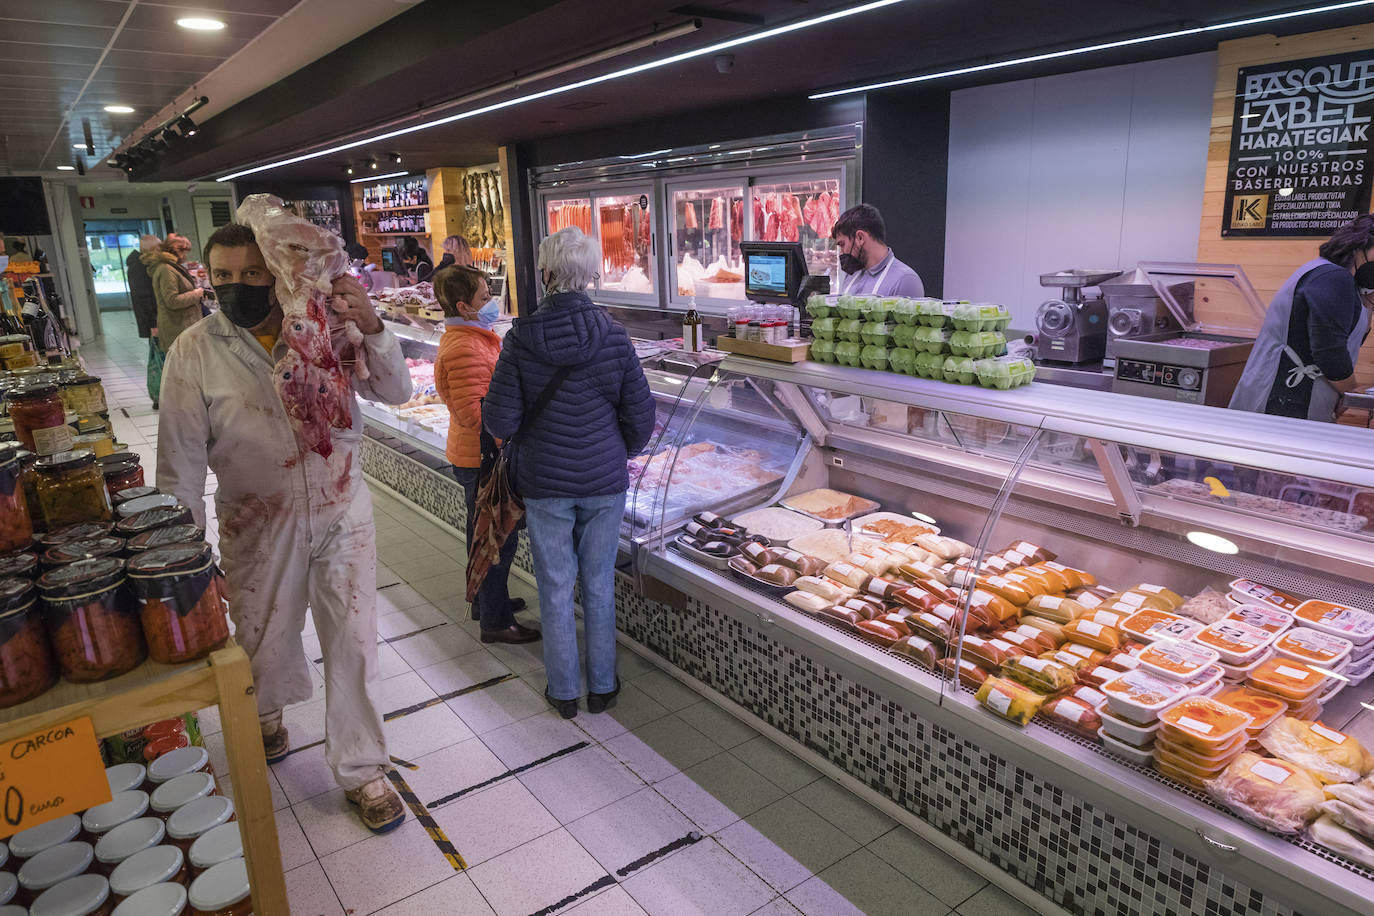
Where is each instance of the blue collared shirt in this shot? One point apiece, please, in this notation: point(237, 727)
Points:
point(901, 280)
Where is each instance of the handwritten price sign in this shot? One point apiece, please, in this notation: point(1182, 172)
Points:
point(48, 774)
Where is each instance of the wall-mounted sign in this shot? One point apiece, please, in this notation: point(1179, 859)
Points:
point(1300, 146)
point(88, 203)
point(119, 209)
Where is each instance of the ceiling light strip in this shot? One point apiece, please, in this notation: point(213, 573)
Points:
point(579, 84)
point(377, 177)
point(1088, 49)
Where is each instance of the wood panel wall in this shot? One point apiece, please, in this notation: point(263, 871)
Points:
point(1267, 262)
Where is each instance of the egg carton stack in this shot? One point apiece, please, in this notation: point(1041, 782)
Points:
point(853, 330)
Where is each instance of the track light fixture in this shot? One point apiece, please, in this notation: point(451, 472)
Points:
point(372, 164)
point(161, 138)
point(187, 126)
point(395, 158)
point(348, 169)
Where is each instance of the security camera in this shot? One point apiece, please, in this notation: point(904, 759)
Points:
point(724, 63)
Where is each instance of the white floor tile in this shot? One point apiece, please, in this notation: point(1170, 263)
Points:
point(778, 906)
point(615, 901)
point(703, 878)
point(633, 708)
point(402, 692)
point(409, 620)
point(530, 739)
point(457, 896)
point(488, 823)
point(786, 843)
point(519, 658)
point(330, 823)
point(628, 830)
point(295, 849)
point(309, 892)
point(398, 598)
point(578, 784)
point(362, 882)
point(390, 663)
point(463, 671)
point(425, 731)
point(452, 769)
point(559, 866)
point(304, 774)
point(434, 646)
point(498, 705)
point(868, 885)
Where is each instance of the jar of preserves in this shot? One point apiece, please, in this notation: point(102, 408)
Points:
point(40, 419)
point(28, 843)
point(123, 476)
point(85, 395)
point(101, 442)
point(9, 886)
point(16, 529)
point(92, 619)
point(183, 609)
point(126, 841)
point(148, 519)
point(165, 537)
point(125, 776)
point(82, 532)
point(121, 456)
point(179, 792)
point(223, 891)
point(82, 549)
point(181, 762)
point(164, 899)
point(159, 747)
point(215, 846)
point(28, 479)
point(27, 668)
point(85, 895)
point(71, 489)
point(190, 821)
point(122, 808)
point(164, 728)
point(129, 495)
point(19, 566)
point(51, 867)
point(144, 869)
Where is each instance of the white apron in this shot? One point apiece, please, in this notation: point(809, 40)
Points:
point(1271, 352)
point(877, 284)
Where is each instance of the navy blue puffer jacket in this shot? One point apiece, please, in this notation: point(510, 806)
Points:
point(601, 415)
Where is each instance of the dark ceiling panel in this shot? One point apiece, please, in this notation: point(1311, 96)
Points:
point(147, 40)
point(261, 7)
point(35, 70)
point(153, 60)
point(79, 36)
point(18, 51)
point(72, 12)
point(163, 20)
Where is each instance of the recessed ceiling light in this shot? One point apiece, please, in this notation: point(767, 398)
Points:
point(1214, 542)
point(200, 24)
point(66, 168)
point(78, 146)
point(119, 109)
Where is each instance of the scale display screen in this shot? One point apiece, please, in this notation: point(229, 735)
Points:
point(767, 274)
point(773, 271)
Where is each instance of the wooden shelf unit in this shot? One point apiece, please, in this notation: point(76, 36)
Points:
point(152, 692)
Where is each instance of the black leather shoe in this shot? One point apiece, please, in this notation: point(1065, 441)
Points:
point(566, 708)
point(600, 702)
point(515, 634)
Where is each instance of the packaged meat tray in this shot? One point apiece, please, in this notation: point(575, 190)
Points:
point(1314, 647)
point(1072, 715)
point(1125, 731)
point(1152, 624)
point(922, 650)
point(1247, 591)
point(830, 505)
point(1177, 661)
point(778, 525)
point(1261, 709)
point(1039, 674)
point(1262, 616)
point(1131, 754)
point(1010, 700)
point(1235, 642)
point(832, 544)
point(1330, 755)
point(1293, 681)
point(1338, 620)
point(889, 526)
point(1202, 725)
point(1273, 794)
point(1139, 696)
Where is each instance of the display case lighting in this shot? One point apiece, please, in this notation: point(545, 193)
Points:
point(1102, 46)
point(1213, 542)
point(645, 67)
point(922, 517)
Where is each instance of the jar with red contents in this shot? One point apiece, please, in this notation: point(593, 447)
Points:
point(162, 746)
point(16, 528)
point(122, 476)
point(149, 519)
point(92, 619)
point(40, 418)
point(82, 549)
point(183, 608)
point(27, 668)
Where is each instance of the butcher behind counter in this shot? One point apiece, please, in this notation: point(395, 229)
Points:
point(296, 526)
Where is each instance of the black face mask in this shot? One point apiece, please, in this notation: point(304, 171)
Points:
point(1364, 276)
point(246, 306)
point(850, 263)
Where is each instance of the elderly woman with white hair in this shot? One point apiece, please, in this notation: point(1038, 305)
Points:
point(569, 390)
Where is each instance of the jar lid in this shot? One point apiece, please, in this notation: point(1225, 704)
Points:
point(119, 468)
point(164, 727)
point(9, 886)
point(82, 549)
point(55, 865)
point(176, 560)
point(23, 565)
point(86, 425)
point(13, 910)
point(221, 886)
point(82, 380)
point(75, 897)
point(124, 807)
point(129, 838)
point(120, 457)
point(32, 390)
point(66, 461)
point(176, 763)
point(158, 517)
point(125, 776)
point(142, 869)
point(217, 845)
point(77, 532)
point(4, 855)
point(28, 843)
point(162, 537)
point(132, 493)
point(165, 899)
point(153, 500)
point(199, 816)
point(81, 578)
point(179, 792)
point(16, 595)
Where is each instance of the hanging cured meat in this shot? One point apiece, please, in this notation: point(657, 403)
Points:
point(717, 217)
point(790, 218)
point(737, 219)
point(690, 216)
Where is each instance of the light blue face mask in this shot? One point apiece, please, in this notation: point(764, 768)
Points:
point(487, 316)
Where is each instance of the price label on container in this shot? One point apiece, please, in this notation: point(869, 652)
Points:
point(50, 773)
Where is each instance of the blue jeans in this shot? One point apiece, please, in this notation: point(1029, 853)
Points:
point(574, 537)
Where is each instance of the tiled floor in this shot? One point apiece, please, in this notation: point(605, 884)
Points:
point(666, 805)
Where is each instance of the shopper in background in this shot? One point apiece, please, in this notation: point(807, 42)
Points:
point(869, 266)
point(144, 305)
point(416, 259)
point(570, 465)
point(457, 253)
point(1304, 358)
point(19, 252)
point(462, 372)
point(178, 297)
point(296, 529)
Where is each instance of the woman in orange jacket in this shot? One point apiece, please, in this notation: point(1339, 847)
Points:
point(462, 372)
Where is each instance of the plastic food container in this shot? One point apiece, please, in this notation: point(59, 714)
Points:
point(92, 621)
point(1236, 643)
point(1203, 725)
point(1141, 758)
point(28, 843)
point(1186, 765)
point(71, 489)
point(189, 822)
point(16, 528)
point(1262, 616)
point(82, 532)
point(1314, 647)
point(164, 899)
point(1262, 709)
point(53, 866)
point(124, 496)
point(1294, 681)
point(40, 418)
point(1178, 661)
point(215, 846)
point(1178, 775)
point(1137, 736)
point(27, 667)
point(84, 895)
point(1139, 696)
point(122, 808)
point(126, 841)
point(1238, 673)
point(149, 867)
point(1337, 620)
point(1151, 624)
point(223, 890)
point(182, 606)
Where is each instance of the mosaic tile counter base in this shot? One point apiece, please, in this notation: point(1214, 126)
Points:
point(1083, 858)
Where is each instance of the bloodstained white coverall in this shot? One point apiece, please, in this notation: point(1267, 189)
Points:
point(295, 530)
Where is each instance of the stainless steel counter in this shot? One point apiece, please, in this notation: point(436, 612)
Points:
point(1094, 379)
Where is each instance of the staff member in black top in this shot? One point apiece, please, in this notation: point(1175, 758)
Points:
point(1304, 357)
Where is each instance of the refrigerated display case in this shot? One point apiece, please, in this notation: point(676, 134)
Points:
point(801, 209)
point(1106, 484)
point(706, 229)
